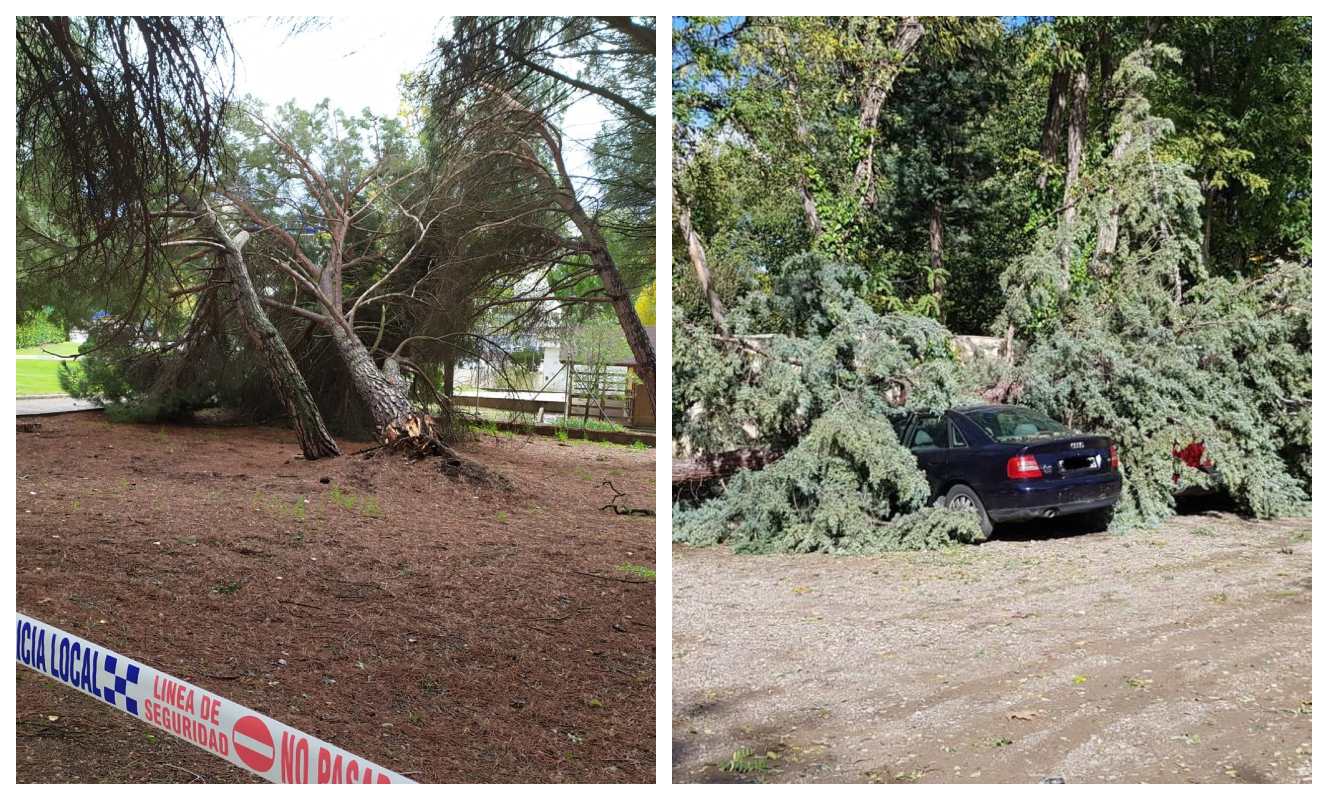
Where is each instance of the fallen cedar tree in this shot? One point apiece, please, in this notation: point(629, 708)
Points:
point(820, 468)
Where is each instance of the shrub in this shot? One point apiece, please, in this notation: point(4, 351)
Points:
point(528, 360)
point(36, 328)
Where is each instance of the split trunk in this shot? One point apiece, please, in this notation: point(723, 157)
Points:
point(384, 391)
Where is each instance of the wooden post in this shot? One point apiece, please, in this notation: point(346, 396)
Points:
point(567, 390)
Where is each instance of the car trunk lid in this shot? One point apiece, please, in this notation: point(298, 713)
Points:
point(1066, 457)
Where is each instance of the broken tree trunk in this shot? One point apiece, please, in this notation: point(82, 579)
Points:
point(721, 465)
point(696, 253)
point(401, 426)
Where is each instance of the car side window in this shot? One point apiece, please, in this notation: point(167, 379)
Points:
point(956, 437)
point(929, 432)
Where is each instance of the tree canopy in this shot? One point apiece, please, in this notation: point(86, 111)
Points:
point(314, 263)
point(852, 137)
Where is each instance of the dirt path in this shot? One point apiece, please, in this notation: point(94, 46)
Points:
point(445, 632)
point(1175, 655)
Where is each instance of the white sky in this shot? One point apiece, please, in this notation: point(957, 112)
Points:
point(357, 62)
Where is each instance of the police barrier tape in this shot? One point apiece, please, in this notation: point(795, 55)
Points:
point(246, 738)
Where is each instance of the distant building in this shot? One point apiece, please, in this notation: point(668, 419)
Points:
point(552, 373)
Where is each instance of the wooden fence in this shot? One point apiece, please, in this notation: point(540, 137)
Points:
point(598, 392)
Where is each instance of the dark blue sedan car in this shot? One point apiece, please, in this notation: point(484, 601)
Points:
point(1010, 463)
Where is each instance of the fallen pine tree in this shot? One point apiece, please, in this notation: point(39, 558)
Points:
point(822, 469)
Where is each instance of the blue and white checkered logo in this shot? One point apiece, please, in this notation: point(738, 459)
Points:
point(118, 685)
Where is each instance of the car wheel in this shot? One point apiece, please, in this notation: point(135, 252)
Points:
point(962, 498)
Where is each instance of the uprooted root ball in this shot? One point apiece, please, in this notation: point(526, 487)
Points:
point(417, 437)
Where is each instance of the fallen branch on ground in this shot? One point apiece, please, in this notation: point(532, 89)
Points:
point(623, 511)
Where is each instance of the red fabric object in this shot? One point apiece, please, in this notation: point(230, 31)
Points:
point(1192, 455)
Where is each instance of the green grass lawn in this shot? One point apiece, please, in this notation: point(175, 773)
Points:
point(60, 349)
point(38, 377)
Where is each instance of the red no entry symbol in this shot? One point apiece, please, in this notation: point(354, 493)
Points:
point(253, 743)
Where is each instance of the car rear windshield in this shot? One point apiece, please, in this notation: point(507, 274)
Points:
point(1014, 423)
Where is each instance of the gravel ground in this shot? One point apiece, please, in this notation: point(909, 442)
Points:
point(1180, 654)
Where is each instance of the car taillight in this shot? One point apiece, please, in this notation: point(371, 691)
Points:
point(1115, 459)
point(1023, 467)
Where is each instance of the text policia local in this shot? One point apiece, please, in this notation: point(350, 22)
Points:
point(170, 706)
point(186, 711)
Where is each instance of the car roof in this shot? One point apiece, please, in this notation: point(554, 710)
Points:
point(984, 407)
point(965, 409)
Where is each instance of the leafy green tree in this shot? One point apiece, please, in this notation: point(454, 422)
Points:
point(1240, 99)
point(941, 168)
